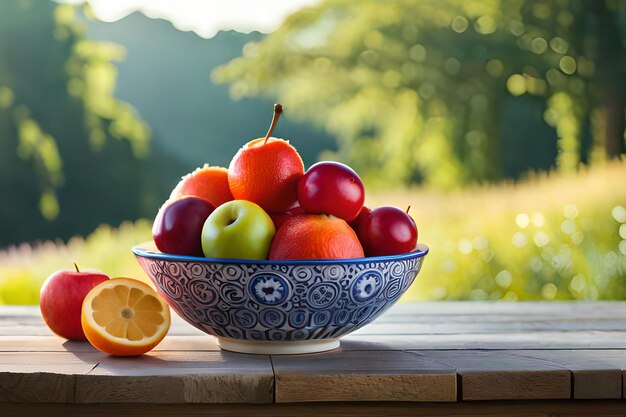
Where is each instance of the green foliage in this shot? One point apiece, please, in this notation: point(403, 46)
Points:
point(557, 237)
point(79, 67)
point(23, 269)
point(426, 90)
point(72, 155)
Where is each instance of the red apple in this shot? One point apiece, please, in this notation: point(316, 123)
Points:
point(331, 188)
point(177, 228)
point(61, 299)
point(386, 231)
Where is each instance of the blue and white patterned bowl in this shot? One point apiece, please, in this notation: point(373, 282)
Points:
point(279, 307)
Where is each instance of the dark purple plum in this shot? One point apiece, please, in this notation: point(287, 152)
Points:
point(177, 228)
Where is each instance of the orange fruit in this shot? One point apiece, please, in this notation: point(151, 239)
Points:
point(266, 173)
point(124, 317)
point(208, 182)
point(315, 236)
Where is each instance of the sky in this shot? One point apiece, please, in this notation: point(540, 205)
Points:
point(205, 17)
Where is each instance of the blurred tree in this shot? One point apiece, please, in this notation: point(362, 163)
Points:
point(438, 91)
point(62, 168)
point(194, 119)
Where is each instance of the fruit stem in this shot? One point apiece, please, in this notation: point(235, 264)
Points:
point(407, 209)
point(76, 266)
point(278, 110)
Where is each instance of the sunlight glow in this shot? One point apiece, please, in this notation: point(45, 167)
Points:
point(206, 18)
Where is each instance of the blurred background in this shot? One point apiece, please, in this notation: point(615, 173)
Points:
point(501, 123)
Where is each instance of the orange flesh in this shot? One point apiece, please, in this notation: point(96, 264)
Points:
point(127, 313)
point(124, 317)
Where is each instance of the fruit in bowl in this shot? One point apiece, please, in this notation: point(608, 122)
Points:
point(266, 171)
point(237, 229)
point(289, 261)
point(315, 236)
point(386, 231)
point(331, 188)
point(178, 224)
point(208, 182)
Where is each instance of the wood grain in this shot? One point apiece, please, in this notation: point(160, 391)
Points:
point(178, 377)
point(414, 352)
point(20, 320)
point(40, 377)
point(539, 309)
point(499, 375)
point(362, 376)
point(597, 374)
point(570, 408)
point(496, 341)
point(54, 343)
point(490, 341)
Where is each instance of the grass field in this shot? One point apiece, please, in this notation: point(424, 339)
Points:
point(548, 237)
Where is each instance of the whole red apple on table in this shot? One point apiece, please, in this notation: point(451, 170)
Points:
point(386, 231)
point(331, 188)
point(61, 300)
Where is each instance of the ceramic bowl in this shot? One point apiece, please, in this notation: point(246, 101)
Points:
point(279, 307)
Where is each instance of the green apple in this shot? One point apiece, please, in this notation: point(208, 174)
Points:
point(238, 229)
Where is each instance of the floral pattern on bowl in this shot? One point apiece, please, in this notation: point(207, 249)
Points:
point(280, 306)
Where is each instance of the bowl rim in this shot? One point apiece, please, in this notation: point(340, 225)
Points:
point(143, 251)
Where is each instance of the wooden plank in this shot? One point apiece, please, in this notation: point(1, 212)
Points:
point(58, 344)
point(495, 341)
point(197, 343)
point(488, 341)
point(178, 377)
point(40, 377)
point(499, 375)
point(403, 319)
point(382, 328)
point(27, 321)
point(605, 408)
point(42, 344)
point(564, 314)
point(541, 309)
point(22, 330)
point(438, 338)
point(419, 318)
point(597, 374)
point(362, 376)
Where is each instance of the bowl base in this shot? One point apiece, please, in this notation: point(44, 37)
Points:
point(277, 348)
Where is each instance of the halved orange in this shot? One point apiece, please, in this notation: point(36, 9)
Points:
point(124, 317)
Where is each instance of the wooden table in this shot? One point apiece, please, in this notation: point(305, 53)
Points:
point(431, 359)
